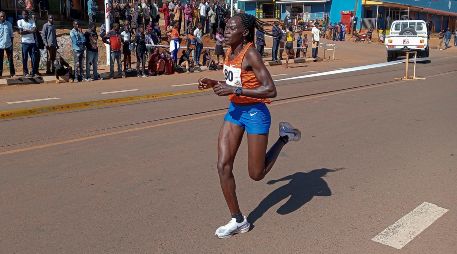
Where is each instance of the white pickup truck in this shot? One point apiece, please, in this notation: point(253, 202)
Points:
point(407, 35)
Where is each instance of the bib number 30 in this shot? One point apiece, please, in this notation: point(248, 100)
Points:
point(232, 76)
point(228, 75)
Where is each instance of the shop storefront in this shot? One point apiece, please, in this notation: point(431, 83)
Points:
point(304, 9)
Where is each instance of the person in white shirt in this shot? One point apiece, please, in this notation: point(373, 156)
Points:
point(27, 29)
point(202, 7)
point(315, 37)
point(126, 38)
point(198, 44)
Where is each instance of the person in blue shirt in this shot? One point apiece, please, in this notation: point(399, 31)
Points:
point(260, 41)
point(6, 43)
point(77, 44)
point(299, 44)
point(447, 38)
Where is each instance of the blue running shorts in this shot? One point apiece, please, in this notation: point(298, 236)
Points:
point(254, 118)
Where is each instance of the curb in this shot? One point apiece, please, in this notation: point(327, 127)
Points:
point(9, 114)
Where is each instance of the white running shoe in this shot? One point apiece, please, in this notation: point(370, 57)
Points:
point(233, 228)
point(286, 129)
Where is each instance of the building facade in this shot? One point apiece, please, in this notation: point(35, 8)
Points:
point(379, 14)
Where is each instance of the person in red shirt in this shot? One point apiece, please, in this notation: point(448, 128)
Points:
point(249, 85)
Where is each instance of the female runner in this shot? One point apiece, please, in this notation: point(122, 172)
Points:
point(248, 85)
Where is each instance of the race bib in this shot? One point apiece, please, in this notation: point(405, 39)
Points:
point(232, 76)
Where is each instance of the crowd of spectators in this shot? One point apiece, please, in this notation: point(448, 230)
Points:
point(134, 30)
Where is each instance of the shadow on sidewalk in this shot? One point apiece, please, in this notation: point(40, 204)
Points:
point(302, 187)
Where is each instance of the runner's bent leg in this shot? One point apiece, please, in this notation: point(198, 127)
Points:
point(230, 137)
point(259, 162)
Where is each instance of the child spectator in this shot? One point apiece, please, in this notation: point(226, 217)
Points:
point(140, 40)
point(126, 38)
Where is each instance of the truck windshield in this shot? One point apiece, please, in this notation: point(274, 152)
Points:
point(417, 26)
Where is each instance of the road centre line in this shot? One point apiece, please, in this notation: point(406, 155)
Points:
point(120, 91)
point(409, 226)
point(274, 75)
point(327, 73)
point(344, 70)
point(32, 100)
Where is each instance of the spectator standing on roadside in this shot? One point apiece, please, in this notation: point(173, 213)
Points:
point(166, 14)
point(447, 38)
point(219, 50)
point(282, 42)
point(140, 40)
point(290, 37)
point(299, 44)
point(174, 43)
point(126, 40)
point(27, 29)
point(277, 34)
point(187, 17)
point(441, 38)
point(92, 10)
point(178, 15)
point(115, 42)
point(221, 12)
point(455, 38)
point(77, 44)
point(154, 12)
point(6, 44)
point(202, 8)
point(198, 44)
point(260, 41)
point(39, 46)
point(91, 38)
point(315, 41)
point(50, 42)
point(212, 21)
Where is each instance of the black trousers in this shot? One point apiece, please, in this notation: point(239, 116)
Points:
point(9, 55)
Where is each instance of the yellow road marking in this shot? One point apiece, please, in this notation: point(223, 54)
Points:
point(90, 104)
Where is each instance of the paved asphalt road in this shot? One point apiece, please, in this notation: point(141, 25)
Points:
point(141, 178)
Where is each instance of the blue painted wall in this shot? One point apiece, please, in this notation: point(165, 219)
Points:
point(338, 6)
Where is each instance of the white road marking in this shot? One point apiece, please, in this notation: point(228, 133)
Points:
point(409, 226)
point(32, 100)
point(190, 84)
point(120, 91)
point(326, 73)
point(344, 70)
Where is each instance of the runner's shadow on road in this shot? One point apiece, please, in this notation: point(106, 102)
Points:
point(302, 187)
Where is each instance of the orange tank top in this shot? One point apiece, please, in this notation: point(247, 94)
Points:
point(236, 76)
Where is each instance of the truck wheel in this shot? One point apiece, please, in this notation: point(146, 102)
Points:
point(427, 52)
point(408, 31)
point(391, 56)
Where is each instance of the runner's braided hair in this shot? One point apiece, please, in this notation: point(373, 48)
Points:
point(251, 23)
